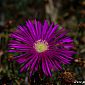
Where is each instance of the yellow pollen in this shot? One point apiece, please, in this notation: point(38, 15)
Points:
point(41, 46)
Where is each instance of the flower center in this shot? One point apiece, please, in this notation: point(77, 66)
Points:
point(41, 46)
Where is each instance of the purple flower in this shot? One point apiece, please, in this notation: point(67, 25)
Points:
point(41, 44)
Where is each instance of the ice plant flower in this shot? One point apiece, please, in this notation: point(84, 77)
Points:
point(41, 44)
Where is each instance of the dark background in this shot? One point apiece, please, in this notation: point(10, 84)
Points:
point(67, 13)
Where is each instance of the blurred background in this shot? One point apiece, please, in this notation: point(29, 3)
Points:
point(67, 13)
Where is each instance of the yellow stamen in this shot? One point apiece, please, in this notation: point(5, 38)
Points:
point(41, 46)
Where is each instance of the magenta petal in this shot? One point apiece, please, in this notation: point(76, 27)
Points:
point(30, 29)
point(47, 66)
point(23, 59)
point(28, 64)
point(57, 64)
point(67, 40)
point(53, 30)
point(36, 28)
point(54, 67)
point(49, 30)
point(44, 30)
point(19, 38)
point(64, 60)
point(39, 30)
point(49, 62)
point(33, 66)
point(44, 66)
point(26, 38)
point(22, 30)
